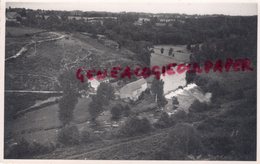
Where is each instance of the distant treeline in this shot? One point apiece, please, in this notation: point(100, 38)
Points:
point(240, 32)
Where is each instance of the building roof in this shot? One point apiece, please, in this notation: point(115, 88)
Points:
point(130, 87)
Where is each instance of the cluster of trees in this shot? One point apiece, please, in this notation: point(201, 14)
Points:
point(135, 126)
point(235, 47)
point(140, 38)
point(25, 150)
point(105, 93)
point(70, 86)
point(183, 140)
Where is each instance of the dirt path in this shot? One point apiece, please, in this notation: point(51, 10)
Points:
point(109, 147)
point(26, 47)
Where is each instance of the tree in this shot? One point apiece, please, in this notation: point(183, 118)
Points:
point(53, 22)
point(70, 84)
point(182, 141)
point(70, 87)
point(188, 46)
point(157, 91)
point(175, 102)
point(95, 108)
point(164, 121)
point(198, 106)
point(105, 92)
point(162, 50)
point(190, 77)
point(170, 51)
point(66, 106)
point(127, 110)
point(116, 112)
point(134, 126)
point(69, 135)
point(143, 51)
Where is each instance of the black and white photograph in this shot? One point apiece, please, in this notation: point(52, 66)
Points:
point(130, 80)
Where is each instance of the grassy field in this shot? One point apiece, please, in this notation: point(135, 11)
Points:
point(17, 37)
point(42, 125)
point(38, 69)
point(181, 55)
point(22, 31)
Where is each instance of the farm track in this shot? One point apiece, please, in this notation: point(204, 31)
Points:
point(26, 47)
point(125, 141)
point(81, 154)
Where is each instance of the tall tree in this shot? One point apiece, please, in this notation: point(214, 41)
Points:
point(67, 105)
point(162, 50)
point(95, 107)
point(157, 91)
point(70, 87)
point(175, 102)
point(105, 93)
point(170, 52)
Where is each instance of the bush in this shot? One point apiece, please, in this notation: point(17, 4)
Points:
point(216, 89)
point(179, 115)
point(69, 135)
point(164, 121)
point(209, 85)
point(127, 110)
point(183, 140)
point(116, 112)
point(198, 106)
point(175, 103)
point(134, 126)
point(23, 149)
point(190, 77)
point(85, 136)
point(238, 94)
point(219, 144)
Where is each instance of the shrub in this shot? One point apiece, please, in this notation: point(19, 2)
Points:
point(216, 89)
point(184, 140)
point(116, 112)
point(23, 149)
point(164, 121)
point(134, 126)
point(37, 148)
point(219, 144)
point(209, 85)
point(179, 115)
point(175, 102)
point(20, 150)
point(198, 106)
point(127, 110)
point(69, 135)
point(238, 94)
point(190, 77)
point(89, 136)
point(85, 136)
point(162, 153)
